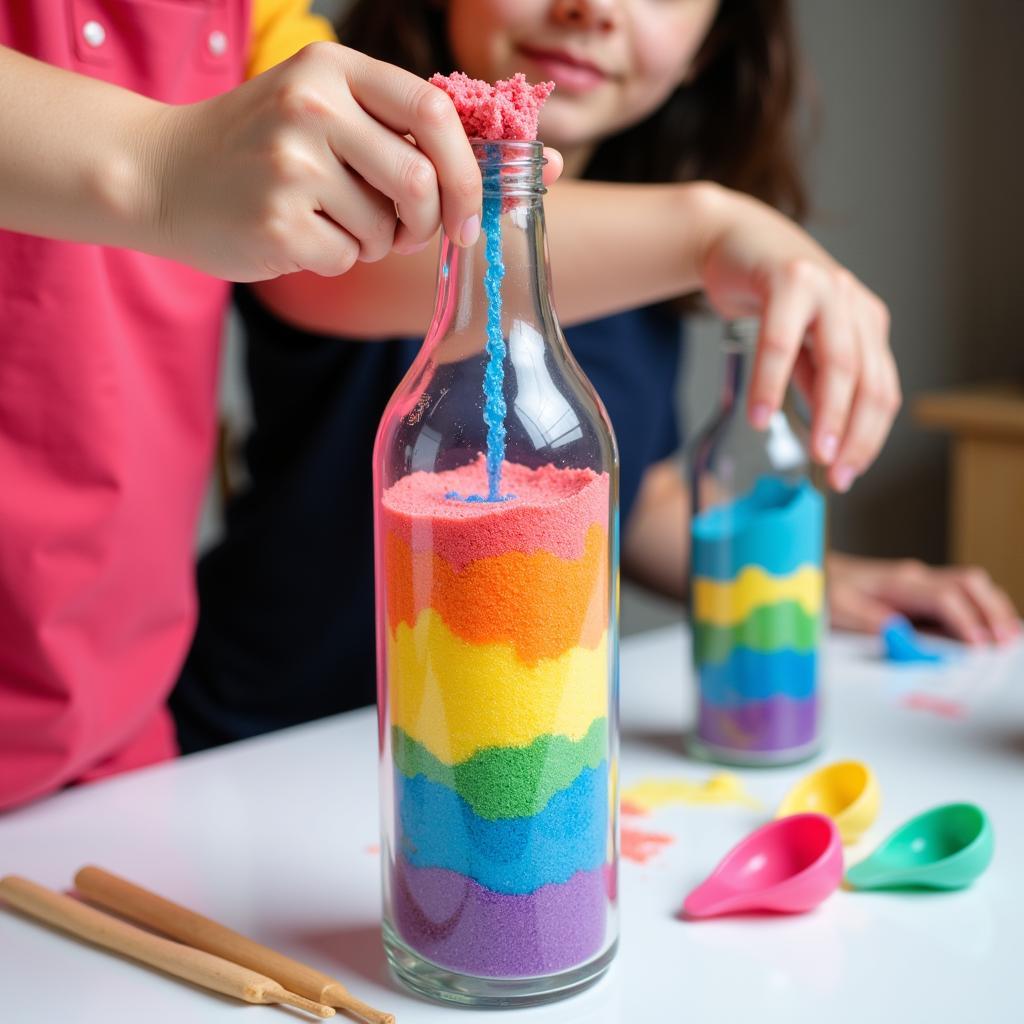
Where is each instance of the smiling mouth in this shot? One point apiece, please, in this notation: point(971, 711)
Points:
point(570, 73)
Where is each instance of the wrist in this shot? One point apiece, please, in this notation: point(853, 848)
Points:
point(129, 178)
point(701, 217)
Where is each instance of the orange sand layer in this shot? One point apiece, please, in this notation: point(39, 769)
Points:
point(539, 604)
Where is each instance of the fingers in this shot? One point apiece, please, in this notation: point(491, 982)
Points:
point(397, 170)
point(409, 106)
point(857, 611)
point(877, 397)
point(788, 312)
point(364, 213)
point(323, 247)
point(998, 617)
point(839, 362)
point(553, 165)
point(964, 602)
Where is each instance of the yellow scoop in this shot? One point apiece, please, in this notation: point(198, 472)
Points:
point(846, 791)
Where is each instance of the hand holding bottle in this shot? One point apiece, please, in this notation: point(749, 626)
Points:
point(326, 159)
point(819, 326)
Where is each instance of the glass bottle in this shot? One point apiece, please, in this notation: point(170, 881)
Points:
point(496, 528)
point(756, 578)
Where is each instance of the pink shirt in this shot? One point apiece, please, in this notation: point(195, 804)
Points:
point(108, 367)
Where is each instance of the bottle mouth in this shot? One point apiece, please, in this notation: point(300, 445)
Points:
point(510, 167)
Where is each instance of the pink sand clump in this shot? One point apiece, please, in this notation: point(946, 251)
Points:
point(509, 109)
point(552, 511)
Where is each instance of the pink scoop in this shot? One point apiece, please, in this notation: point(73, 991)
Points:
point(787, 866)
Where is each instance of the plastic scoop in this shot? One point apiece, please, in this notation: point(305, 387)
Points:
point(787, 866)
point(846, 791)
point(947, 847)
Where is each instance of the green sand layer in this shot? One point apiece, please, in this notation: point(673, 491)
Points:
point(777, 627)
point(507, 782)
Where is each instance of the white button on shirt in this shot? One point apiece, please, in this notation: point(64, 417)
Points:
point(94, 33)
point(218, 43)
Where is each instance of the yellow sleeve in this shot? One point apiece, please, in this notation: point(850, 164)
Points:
point(281, 28)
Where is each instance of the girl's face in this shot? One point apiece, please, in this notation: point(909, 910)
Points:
point(613, 62)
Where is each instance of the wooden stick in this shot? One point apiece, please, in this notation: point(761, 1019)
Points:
point(193, 965)
point(132, 901)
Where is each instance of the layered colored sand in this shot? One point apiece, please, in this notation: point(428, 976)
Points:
point(757, 596)
point(497, 688)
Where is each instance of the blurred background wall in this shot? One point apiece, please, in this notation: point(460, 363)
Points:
point(916, 177)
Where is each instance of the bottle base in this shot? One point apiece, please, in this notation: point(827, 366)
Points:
point(700, 748)
point(447, 986)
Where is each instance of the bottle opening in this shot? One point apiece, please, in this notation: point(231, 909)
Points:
point(510, 168)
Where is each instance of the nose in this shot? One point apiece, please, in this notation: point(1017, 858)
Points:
point(602, 15)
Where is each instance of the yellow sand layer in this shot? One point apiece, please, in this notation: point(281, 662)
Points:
point(456, 698)
point(725, 603)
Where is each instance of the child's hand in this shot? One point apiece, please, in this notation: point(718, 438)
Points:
point(308, 167)
point(756, 262)
point(864, 592)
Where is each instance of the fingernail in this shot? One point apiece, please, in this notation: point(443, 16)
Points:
point(843, 478)
point(828, 446)
point(976, 635)
point(760, 415)
point(470, 230)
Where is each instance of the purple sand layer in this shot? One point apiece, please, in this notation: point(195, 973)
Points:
point(773, 725)
point(457, 923)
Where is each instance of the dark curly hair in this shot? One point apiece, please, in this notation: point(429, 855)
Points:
point(732, 122)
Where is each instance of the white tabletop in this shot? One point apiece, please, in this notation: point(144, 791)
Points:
point(274, 837)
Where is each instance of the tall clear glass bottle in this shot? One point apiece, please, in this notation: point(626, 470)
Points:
point(496, 524)
point(756, 580)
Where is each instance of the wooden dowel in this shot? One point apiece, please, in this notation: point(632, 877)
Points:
point(132, 901)
point(205, 969)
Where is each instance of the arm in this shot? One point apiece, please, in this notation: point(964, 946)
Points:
point(394, 296)
point(306, 166)
point(74, 163)
point(656, 537)
point(619, 246)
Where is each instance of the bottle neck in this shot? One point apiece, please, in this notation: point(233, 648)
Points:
point(506, 273)
point(738, 348)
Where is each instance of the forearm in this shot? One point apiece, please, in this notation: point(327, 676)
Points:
point(656, 538)
point(73, 161)
point(613, 247)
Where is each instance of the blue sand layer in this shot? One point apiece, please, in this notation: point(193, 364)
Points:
point(765, 726)
point(902, 644)
point(438, 829)
point(494, 375)
point(779, 526)
point(756, 675)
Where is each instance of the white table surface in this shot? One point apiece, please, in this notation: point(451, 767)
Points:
point(273, 837)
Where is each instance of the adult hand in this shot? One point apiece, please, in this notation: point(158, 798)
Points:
point(820, 326)
point(329, 158)
point(864, 592)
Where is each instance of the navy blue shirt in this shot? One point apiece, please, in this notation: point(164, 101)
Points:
point(286, 609)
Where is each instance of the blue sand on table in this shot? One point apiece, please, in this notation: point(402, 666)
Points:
point(509, 855)
point(756, 675)
point(779, 526)
point(902, 644)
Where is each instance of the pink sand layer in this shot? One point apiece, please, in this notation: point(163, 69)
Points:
point(552, 510)
point(509, 109)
